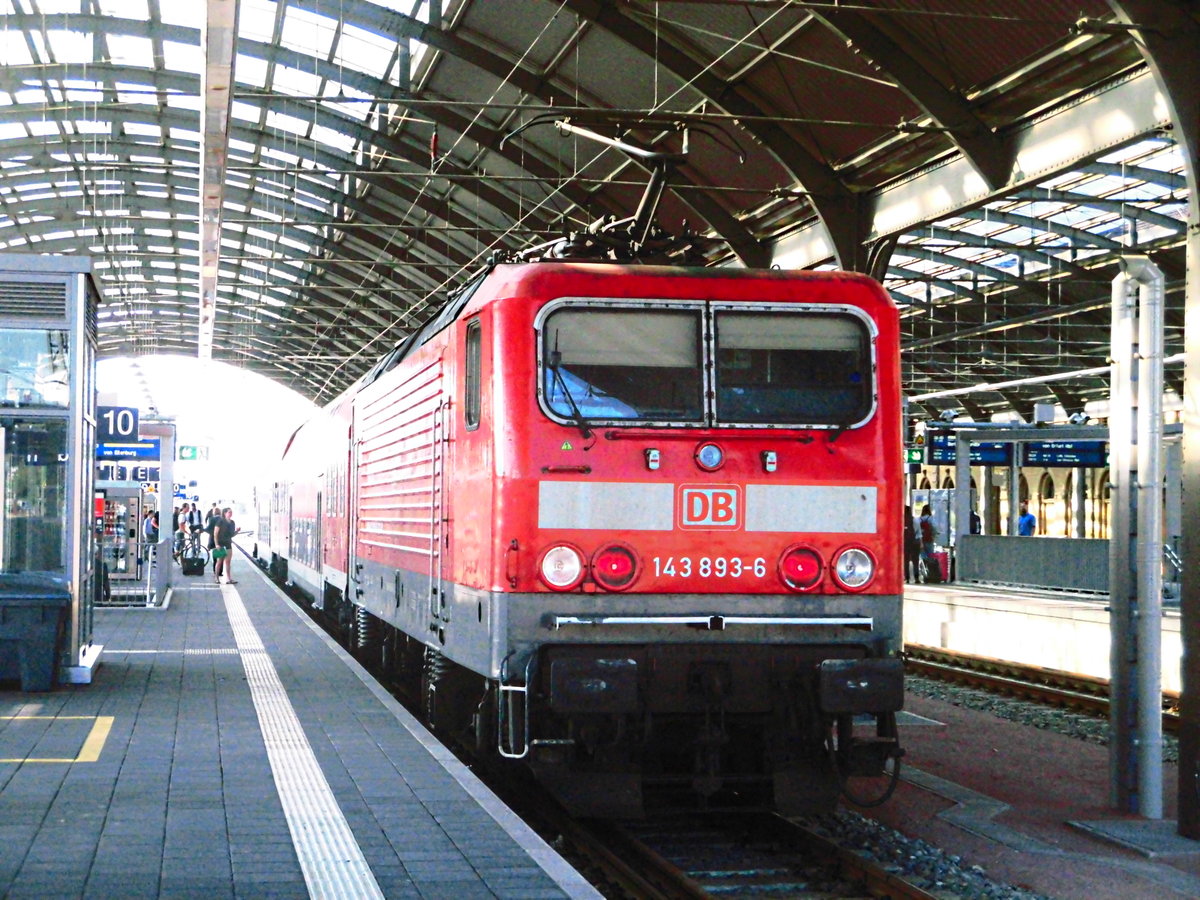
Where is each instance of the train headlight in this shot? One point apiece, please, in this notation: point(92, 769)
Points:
point(614, 567)
point(854, 568)
point(800, 567)
point(709, 457)
point(561, 567)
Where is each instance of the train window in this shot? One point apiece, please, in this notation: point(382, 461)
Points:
point(622, 364)
point(792, 368)
point(473, 386)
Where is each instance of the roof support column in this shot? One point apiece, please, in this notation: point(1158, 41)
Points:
point(218, 39)
point(1135, 539)
point(1172, 50)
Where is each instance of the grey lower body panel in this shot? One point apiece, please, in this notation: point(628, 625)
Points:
point(496, 633)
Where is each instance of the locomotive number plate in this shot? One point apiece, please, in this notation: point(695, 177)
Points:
point(709, 567)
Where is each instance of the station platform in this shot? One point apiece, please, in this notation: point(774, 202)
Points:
point(1030, 807)
point(1052, 629)
point(228, 748)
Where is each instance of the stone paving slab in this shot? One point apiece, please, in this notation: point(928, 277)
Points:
point(182, 801)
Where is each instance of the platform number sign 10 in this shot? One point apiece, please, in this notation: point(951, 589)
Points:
point(116, 424)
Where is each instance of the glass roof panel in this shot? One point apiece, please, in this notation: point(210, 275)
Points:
point(32, 95)
point(358, 108)
point(295, 82)
point(130, 9)
point(247, 112)
point(49, 7)
point(70, 46)
point(333, 138)
point(256, 19)
point(286, 123)
point(308, 32)
point(249, 69)
point(184, 57)
point(130, 50)
point(365, 50)
point(14, 49)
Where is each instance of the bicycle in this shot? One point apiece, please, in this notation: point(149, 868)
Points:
point(193, 555)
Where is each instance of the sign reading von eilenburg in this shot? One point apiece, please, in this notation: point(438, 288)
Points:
point(985, 453)
point(151, 448)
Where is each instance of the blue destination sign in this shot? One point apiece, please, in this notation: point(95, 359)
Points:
point(147, 449)
point(1075, 454)
point(987, 453)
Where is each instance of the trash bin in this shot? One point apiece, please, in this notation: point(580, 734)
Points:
point(33, 618)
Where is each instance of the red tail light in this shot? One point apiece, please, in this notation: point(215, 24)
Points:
point(800, 567)
point(614, 567)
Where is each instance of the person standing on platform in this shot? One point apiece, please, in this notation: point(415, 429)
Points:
point(210, 523)
point(214, 515)
point(223, 532)
point(1027, 524)
point(150, 528)
point(195, 521)
point(181, 536)
point(180, 527)
point(912, 547)
point(929, 532)
point(976, 523)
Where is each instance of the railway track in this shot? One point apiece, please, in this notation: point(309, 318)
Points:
point(743, 855)
point(723, 855)
point(1053, 687)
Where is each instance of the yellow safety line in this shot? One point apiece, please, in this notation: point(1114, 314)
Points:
point(93, 744)
point(90, 752)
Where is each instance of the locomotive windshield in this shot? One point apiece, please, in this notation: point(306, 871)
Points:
point(623, 364)
point(769, 365)
point(800, 367)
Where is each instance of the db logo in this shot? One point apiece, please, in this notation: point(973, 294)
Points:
point(710, 506)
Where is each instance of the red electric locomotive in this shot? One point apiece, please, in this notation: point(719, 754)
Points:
point(636, 525)
point(639, 526)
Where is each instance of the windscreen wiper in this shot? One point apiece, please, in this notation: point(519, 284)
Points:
point(836, 432)
point(555, 362)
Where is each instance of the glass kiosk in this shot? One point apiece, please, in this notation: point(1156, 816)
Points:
point(47, 445)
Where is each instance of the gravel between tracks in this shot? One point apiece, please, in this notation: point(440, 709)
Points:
point(931, 868)
point(1062, 721)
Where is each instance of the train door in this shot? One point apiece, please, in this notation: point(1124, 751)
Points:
point(354, 570)
point(318, 546)
point(439, 609)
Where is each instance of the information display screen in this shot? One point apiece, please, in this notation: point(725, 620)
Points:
point(942, 446)
point(1075, 454)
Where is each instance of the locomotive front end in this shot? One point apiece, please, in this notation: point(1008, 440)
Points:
point(706, 594)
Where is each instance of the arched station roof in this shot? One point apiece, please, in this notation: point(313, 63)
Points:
point(989, 163)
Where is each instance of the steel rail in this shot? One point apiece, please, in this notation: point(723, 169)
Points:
point(1053, 687)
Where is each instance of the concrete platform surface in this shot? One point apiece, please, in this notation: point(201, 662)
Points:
point(1010, 797)
point(227, 748)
